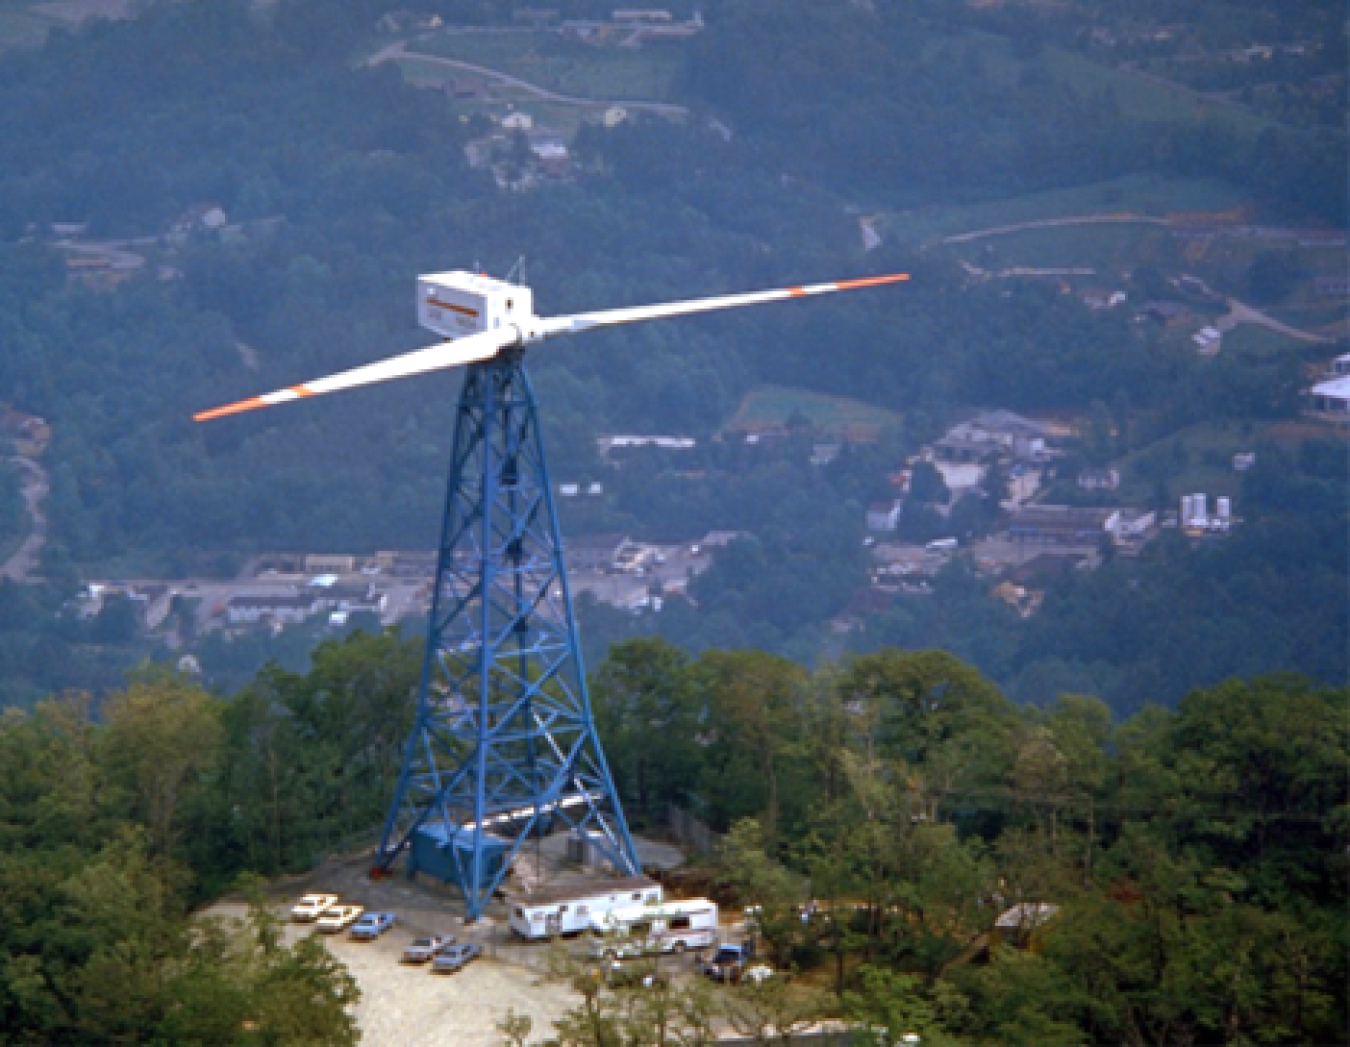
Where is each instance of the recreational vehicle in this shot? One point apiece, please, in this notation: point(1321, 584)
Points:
point(670, 927)
point(546, 914)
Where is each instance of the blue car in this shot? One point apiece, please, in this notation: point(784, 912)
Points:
point(372, 925)
point(455, 957)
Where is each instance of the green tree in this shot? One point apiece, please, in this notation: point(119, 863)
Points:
point(756, 705)
point(647, 719)
point(163, 735)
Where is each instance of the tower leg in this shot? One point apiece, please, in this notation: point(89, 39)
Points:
point(504, 745)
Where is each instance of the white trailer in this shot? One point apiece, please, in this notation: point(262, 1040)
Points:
point(570, 910)
point(669, 927)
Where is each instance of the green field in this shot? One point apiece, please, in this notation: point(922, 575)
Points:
point(1316, 318)
point(1257, 341)
point(770, 407)
point(22, 28)
point(1139, 95)
point(1111, 250)
point(564, 66)
point(1136, 93)
point(1208, 450)
point(1136, 194)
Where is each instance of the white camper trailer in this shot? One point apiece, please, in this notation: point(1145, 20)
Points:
point(545, 914)
point(669, 927)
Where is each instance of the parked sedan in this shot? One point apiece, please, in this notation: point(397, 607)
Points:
point(312, 906)
point(372, 925)
point(423, 949)
point(339, 918)
point(454, 957)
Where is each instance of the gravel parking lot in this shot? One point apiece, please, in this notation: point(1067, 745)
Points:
point(405, 1004)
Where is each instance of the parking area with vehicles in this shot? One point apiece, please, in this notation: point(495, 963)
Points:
point(403, 1001)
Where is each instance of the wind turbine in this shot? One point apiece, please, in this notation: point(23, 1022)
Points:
point(504, 745)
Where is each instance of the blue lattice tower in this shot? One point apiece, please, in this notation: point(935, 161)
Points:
point(504, 746)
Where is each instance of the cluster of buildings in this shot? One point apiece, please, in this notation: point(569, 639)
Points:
point(1031, 544)
point(337, 599)
point(545, 156)
point(964, 454)
point(625, 27)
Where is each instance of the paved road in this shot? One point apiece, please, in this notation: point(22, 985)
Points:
point(395, 52)
point(1241, 313)
point(34, 486)
point(1024, 270)
point(1128, 218)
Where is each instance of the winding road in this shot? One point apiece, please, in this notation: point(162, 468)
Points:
point(35, 486)
point(1241, 313)
point(1053, 223)
point(398, 51)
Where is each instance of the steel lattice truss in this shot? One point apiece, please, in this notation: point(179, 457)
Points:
point(504, 745)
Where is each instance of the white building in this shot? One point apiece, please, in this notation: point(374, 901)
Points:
point(1126, 524)
point(1208, 340)
point(991, 434)
point(247, 610)
point(883, 516)
point(666, 443)
point(1330, 400)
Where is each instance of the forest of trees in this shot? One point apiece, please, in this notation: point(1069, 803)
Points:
point(1196, 855)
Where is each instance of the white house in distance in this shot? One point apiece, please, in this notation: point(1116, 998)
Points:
point(1208, 340)
point(621, 442)
point(1329, 399)
point(883, 516)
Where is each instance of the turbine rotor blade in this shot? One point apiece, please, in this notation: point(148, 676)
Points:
point(611, 317)
point(473, 349)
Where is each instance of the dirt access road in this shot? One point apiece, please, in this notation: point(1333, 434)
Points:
point(34, 486)
point(397, 51)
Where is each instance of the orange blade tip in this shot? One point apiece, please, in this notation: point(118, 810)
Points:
point(236, 408)
point(873, 281)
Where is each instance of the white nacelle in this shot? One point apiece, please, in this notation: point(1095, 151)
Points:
point(461, 303)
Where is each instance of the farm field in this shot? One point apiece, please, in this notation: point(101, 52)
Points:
point(22, 28)
point(1107, 249)
point(1137, 94)
point(770, 408)
point(1147, 195)
point(1204, 455)
point(564, 66)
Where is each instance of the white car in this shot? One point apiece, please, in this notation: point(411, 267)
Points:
point(339, 918)
point(312, 906)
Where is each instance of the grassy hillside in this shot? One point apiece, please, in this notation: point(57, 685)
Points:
point(774, 406)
